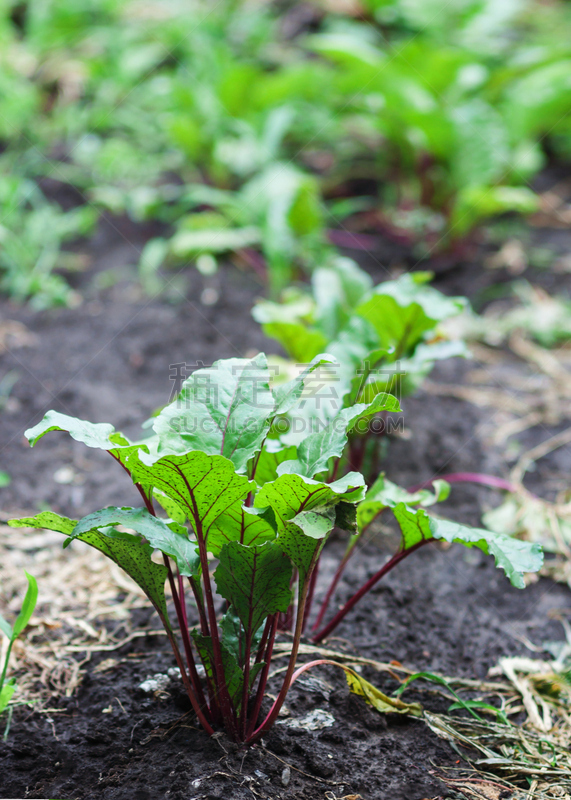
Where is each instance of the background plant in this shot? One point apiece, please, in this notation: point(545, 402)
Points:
point(415, 120)
point(233, 493)
point(383, 338)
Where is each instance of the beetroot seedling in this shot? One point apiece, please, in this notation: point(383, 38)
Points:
point(219, 486)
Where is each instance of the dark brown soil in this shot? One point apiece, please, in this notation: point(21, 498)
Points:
point(446, 610)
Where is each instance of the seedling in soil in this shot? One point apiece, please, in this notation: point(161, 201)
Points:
point(7, 688)
point(243, 521)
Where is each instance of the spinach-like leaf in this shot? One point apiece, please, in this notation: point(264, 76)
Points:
point(156, 531)
point(386, 494)
point(513, 555)
point(255, 580)
point(242, 524)
point(224, 409)
point(315, 450)
point(93, 434)
point(290, 494)
point(132, 555)
point(402, 311)
point(206, 486)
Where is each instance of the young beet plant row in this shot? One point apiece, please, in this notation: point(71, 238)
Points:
point(240, 517)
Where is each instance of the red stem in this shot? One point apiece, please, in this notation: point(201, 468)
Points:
point(336, 578)
point(312, 582)
point(265, 634)
point(275, 710)
point(225, 702)
point(204, 629)
point(183, 626)
point(392, 562)
point(263, 676)
point(190, 690)
point(470, 477)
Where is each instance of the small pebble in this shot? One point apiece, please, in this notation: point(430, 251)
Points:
point(286, 776)
point(64, 475)
point(155, 683)
point(209, 296)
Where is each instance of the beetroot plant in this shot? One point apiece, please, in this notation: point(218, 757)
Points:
point(235, 521)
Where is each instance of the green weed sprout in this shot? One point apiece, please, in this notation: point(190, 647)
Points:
point(7, 688)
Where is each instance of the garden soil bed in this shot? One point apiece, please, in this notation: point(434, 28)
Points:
point(447, 611)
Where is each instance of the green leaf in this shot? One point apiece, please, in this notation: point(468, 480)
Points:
point(304, 536)
point(302, 549)
point(514, 556)
point(296, 306)
point(91, 434)
point(346, 517)
point(126, 550)
point(402, 311)
point(205, 486)
point(270, 458)
point(6, 693)
point(300, 342)
point(287, 395)
point(233, 673)
point(216, 240)
point(172, 508)
point(316, 523)
point(233, 634)
point(474, 203)
point(349, 49)
point(224, 409)
point(255, 580)
point(48, 520)
point(315, 450)
point(481, 151)
point(337, 290)
point(232, 670)
point(386, 494)
point(242, 524)
point(290, 494)
point(28, 606)
point(305, 512)
point(156, 531)
point(6, 628)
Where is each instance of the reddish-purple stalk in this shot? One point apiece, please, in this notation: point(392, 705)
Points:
point(228, 713)
point(312, 582)
point(455, 477)
point(246, 684)
point(336, 578)
point(180, 609)
point(264, 639)
point(274, 711)
point(272, 630)
point(198, 704)
point(470, 477)
point(390, 564)
point(183, 627)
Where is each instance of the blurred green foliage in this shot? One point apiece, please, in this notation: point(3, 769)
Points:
point(244, 130)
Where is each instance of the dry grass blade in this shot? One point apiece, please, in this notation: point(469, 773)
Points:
point(531, 760)
point(514, 753)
